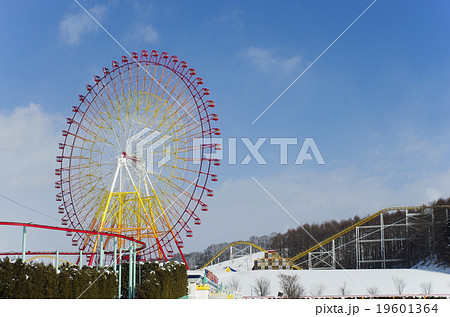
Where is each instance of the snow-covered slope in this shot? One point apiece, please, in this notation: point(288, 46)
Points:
point(357, 282)
point(244, 263)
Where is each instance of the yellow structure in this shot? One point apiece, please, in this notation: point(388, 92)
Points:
point(352, 227)
point(273, 261)
point(230, 246)
point(48, 257)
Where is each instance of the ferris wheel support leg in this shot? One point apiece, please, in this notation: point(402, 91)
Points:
point(182, 256)
point(24, 241)
point(160, 250)
point(91, 259)
point(167, 221)
point(145, 211)
point(102, 221)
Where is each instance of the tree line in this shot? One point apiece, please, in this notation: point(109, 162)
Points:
point(157, 280)
point(39, 281)
point(426, 237)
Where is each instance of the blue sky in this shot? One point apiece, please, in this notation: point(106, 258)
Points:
point(375, 103)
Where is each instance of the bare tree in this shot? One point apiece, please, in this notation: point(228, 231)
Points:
point(426, 288)
point(343, 290)
point(234, 285)
point(373, 290)
point(399, 284)
point(262, 285)
point(317, 289)
point(291, 286)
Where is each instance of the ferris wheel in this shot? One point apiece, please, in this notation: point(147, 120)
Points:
point(137, 155)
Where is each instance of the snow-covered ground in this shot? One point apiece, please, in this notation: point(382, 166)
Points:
point(430, 265)
point(357, 282)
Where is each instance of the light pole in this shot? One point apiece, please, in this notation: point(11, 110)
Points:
point(120, 272)
point(24, 241)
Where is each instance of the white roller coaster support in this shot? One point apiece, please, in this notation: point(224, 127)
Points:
point(102, 252)
point(333, 260)
point(57, 261)
point(115, 255)
point(357, 248)
point(383, 253)
point(24, 242)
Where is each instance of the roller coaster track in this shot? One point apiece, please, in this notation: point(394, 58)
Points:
point(229, 246)
point(102, 233)
point(359, 223)
point(47, 256)
point(328, 240)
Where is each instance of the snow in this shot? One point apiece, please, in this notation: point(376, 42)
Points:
point(244, 263)
point(431, 265)
point(357, 281)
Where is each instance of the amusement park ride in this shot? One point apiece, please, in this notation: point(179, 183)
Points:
point(364, 235)
point(135, 164)
point(135, 160)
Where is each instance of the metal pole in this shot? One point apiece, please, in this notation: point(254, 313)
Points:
point(333, 265)
point(120, 274)
point(358, 265)
point(408, 246)
point(80, 264)
point(432, 231)
point(115, 255)
point(130, 271)
point(251, 258)
point(24, 240)
point(383, 253)
point(57, 260)
point(134, 270)
point(139, 272)
point(102, 253)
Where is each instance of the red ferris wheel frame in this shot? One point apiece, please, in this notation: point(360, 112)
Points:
point(161, 247)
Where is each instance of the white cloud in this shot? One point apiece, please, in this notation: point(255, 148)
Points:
point(28, 138)
point(29, 144)
point(74, 26)
point(267, 60)
point(231, 17)
point(28, 148)
point(146, 33)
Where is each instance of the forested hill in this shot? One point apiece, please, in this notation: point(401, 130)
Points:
point(427, 237)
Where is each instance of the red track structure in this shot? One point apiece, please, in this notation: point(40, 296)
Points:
point(54, 228)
